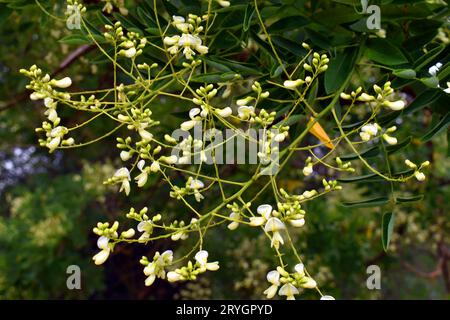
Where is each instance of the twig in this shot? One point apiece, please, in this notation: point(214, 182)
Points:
point(71, 58)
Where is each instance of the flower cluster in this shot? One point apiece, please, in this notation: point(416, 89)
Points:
point(156, 268)
point(288, 284)
point(384, 96)
point(189, 40)
point(130, 44)
point(107, 237)
point(45, 88)
point(192, 270)
point(234, 102)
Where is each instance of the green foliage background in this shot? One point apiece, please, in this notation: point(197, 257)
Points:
point(49, 203)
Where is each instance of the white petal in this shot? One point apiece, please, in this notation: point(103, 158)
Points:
point(265, 210)
point(173, 276)
point(102, 243)
point(201, 257)
point(212, 266)
point(271, 291)
point(273, 277)
point(300, 268)
point(297, 223)
point(310, 283)
point(141, 164)
point(193, 112)
point(288, 290)
point(101, 257)
point(273, 225)
point(149, 281)
point(257, 221)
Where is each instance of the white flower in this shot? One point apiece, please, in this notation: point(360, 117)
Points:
point(292, 84)
point(364, 97)
point(156, 269)
point(244, 112)
point(300, 269)
point(177, 20)
point(180, 235)
point(448, 88)
point(103, 244)
point(37, 96)
point(128, 234)
point(123, 176)
point(297, 222)
point(368, 131)
point(130, 53)
point(54, 143)
point(274, 278)
point(309, 283)
point(125, 155)
point(154, 167)
point(169, 160)
point(146, 227)
point(145, 135)
point(188, 125)
point(280, 137)
point(173, 276)
point(224, 113)
point(224, 3)
point(395, 105)
point(410, 164)
point(234, 225)
point(142, 178)
point(265, 211)
point(194, 112)
point(63, 83)
point(372, 129)
point(390, 140)
point(327, 298)
point(275, 225)
point(196, 184)
point(420, 176)
point(435, 69)
point(308, 170)
point(170, 41)
point(202, 259)
point(244, 102)
point(288, 290)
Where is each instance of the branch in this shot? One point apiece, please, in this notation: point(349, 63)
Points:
point(71, 58)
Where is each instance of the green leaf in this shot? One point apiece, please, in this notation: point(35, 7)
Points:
point(422, 100)
point(241, 68)
point(375, 202)
point(291, 46)
point(339, 68)
point(248, 16)
point(369, 153)
point(383, 52)
point(294, 119)
point(439, 127)
point(288, 23)
point(409, 199)
point(387, 222)
point(431, 82)
point(405, 73)
point(75, 39)
point(426, 59)
point(363, 178)
point(215, 77)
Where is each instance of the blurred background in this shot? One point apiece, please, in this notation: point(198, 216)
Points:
point(50, 202)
